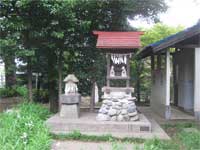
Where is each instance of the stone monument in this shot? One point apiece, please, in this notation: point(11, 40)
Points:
point(69, 102)
point(118, 103)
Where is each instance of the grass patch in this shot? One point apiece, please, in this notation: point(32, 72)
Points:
point(156, 144)
point(77, 135)
point(173, 129)
point(190, 140)
point(23, 128)
point(184, 140)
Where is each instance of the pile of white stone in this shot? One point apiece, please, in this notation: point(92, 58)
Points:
point(118, 109)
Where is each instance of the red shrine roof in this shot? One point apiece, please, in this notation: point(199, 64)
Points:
point(118, 40)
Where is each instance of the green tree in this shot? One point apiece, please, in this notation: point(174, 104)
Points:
point(158, 32)
point(53, 32)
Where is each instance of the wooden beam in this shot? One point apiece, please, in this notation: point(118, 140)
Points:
point(128, 71)
point(177, 39)
point(108, 69)
point(152, 68)
point(187, 46)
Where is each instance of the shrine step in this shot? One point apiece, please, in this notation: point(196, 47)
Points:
point(87, 123)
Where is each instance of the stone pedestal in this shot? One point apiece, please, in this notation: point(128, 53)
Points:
point(69, 105)
point(69, 111)
point(118, 105)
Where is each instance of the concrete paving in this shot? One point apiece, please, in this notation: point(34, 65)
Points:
point(176, 115)
point(79, 145)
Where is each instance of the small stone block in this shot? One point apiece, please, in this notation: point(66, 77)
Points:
point(69, 111)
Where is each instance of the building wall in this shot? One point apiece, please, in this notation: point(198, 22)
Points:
point(185, 78)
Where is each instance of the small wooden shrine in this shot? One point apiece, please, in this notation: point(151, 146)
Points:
point(118, 103)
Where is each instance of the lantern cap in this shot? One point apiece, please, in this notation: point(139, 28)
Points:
point(71, 77)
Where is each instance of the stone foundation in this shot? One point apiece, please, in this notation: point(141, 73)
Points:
point(120, 108)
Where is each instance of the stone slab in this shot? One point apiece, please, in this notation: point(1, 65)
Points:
point(69, 111)
point(88, 125)
point(70, 99)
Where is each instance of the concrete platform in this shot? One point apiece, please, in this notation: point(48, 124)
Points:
point(87, 124)
point(176, 115)
point(79, 145)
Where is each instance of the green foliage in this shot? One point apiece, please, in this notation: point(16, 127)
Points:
point(22, 91)
point(179, 126)
point(158, 32)
point(23, 128)
point(41, 31)
point(190, 140)
point(8, 92)
point(36, 110)
point(40, 95)
point(156, 144)
point(77, 135)
point(185, 139)
point(14, 91)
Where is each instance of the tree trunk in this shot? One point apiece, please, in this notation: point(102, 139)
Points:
point(53, 97)
point(29, 76)
point(138, 80)
point(27, 42)
point(10, 70)
point(60, 74)
point(138, 87)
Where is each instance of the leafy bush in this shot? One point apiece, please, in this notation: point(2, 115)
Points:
point(23, 128)
point(22, 91)
point(14, 91)
point(40, 95)
point(8, 92)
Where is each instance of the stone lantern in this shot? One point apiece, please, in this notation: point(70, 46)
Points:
point(69, 101)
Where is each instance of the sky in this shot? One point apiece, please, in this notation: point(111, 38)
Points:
point(180, 12)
